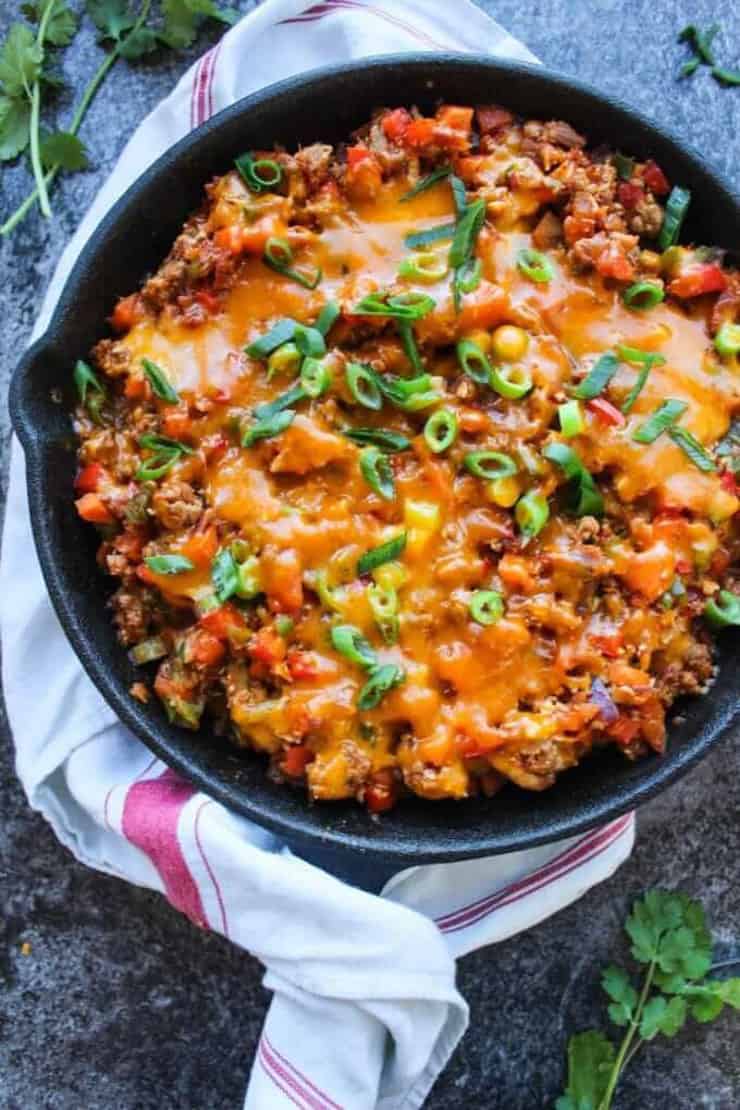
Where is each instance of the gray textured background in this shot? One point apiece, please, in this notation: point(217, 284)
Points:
point(122, 1003)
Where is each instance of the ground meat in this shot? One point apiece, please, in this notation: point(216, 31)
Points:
point(131, 614)
point(176, 504)
point(690, 676)
point(112, 357)
point(646, 218)
point(313, 162)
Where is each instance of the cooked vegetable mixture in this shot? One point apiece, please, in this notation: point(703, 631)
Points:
point(415, 458)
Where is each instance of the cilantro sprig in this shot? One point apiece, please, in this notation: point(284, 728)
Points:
point(670, 939)
point(126, 29)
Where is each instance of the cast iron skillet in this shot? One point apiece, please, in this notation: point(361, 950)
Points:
point(129, 242)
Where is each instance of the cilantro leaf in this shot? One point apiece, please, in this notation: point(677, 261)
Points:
point(138, 43)
point(20, 61)
point(590, 1061)
point(670, 929)
point(63, 149)
point(617, 985)
point(61, 26)
point(662, 1016)
point(707, 999)
point(183, 17)
point(14, 120)
point(111, 17)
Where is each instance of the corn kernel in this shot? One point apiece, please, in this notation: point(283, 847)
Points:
point(651, 260)
point(417, 541)
point(503, 491)
point(722, 506)
point(510, 343)
point(421, 514)
point(390, 576)
point(482, 339)
point(285, 360)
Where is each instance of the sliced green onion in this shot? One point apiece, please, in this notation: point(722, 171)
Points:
point(383, 602)
point(384, 553)
point(571, 419)
point(165, 453)
point(662, 419)
point(309, 341)
point(701, 41)
point(646, 360)
point(424, 266)
point(169, 564)
point(490, 464)
point(409, 394)
point(404, 306)
point(408, 342)
point(642, 295)
point(532, 513)
point(585, 499)
point(86, 380)
point(267, 409)
point(425, 183)
point(279, 257)
point(429, 235)
point(349, 642)
point(268, 427)
point(249, 584)
point(259, 174)
point(378, 472)
point(726, 76)
point(285, 360)
point(327, 596)
point(473, 361)
point(277, 335)
point(315, 377)
point(363, 385)
point(690, 67)
point(156, 442)
point(147, 651)
point(381, 680)
point(723, 610)
point(535, 265)
point(440, 430)
point(380, 437)
point(160, 382)
point(486, 606)
point(692, 449)
point(597, 378)
point(284, 625)
point(675, 213)
point(327, 317)
point(625, 167)
point(727, 340)
point(468, 276)
point(459, 194)
point(224, 574)
point(512, 382)
point(467, 229)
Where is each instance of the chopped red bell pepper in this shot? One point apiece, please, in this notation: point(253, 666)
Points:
point(606, 412)
point(630, 194)
point(267, 646)
point(624, 730)
point(296, 758)
point(356, 155)
point(420, 132)
point(301, 664)
point(394, 124)
point(707, 277)
point(223, 621)
point(380, 794)
point(655, 179)
point(93, 509)
point(89, 478)
point(728, 481)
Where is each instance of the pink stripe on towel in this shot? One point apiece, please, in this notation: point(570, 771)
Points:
point(151, 814)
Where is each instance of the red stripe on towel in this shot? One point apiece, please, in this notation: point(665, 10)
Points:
point(575, 856)
point(286, 1081)
point(209, 869)
point(300, 1077)
point(151, 814)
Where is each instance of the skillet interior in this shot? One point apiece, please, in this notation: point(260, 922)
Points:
point(131, 241)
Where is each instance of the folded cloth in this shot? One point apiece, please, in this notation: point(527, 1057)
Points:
point(365, 1011)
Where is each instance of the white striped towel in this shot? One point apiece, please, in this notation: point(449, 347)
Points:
point(354, 975)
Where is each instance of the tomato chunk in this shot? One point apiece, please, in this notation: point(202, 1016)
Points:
point(93, 509)
point(607, 412)
point(89, 478)
point(696, 280)
point(296, 758)
point(395, 124)
point(655, 179)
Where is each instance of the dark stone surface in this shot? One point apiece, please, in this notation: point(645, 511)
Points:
point(121, 1003)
